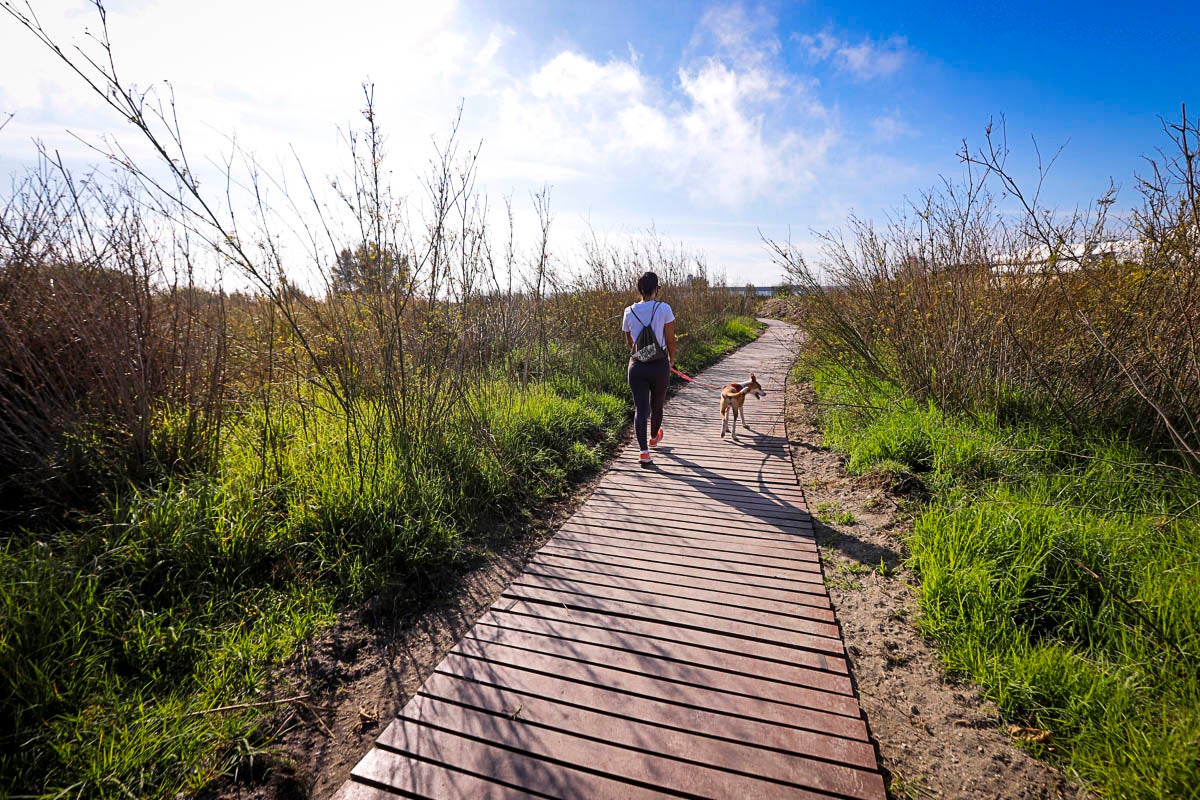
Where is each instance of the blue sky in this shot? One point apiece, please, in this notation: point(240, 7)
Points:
point(708, 121)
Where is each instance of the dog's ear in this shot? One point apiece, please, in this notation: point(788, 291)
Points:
point(752, 378)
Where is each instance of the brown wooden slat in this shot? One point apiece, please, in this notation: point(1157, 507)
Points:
point(589, 537)
point(654, 582)
point(818, 639)
point(651, 665)
point(352, 790)
point(557, 747)
point(687, 445)
point(805, 559)
point(684, 652)
point(602, 525)
point(660, 741)
point(683, 565)
point(778, 498)
point(721, 458)
point(697, 513)
point(657, 630)
point(781, 494)
point(681, 525)
point(706, 508)
point(477, 768)
point(712, 508)
point(817, 621)
point(789, 737)
point(668, 469)
point(666, 556)
point(685, 574)
point(384, 775)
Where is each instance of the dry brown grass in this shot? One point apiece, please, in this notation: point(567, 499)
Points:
point(1091, 321)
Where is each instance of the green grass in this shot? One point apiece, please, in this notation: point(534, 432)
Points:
point(696, 353)
point(834, 514)
point(1059, 571)
point(123, 629)
point(181, 599)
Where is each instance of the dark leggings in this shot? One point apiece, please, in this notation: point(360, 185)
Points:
point(648, 382)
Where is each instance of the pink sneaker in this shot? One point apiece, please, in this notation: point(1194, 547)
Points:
point(656, 438)
point(644, 458)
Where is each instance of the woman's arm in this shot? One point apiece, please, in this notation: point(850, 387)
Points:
point(669, 335)
point(629, 340)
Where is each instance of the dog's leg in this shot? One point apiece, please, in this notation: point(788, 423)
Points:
point(724, 418)
point(734, 409)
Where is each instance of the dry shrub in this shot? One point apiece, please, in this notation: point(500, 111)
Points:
point(101, 344)
point(1080, 318)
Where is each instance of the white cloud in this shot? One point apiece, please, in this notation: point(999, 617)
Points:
point(729, 154)
point(865, 60)
point(569, 77)
point(732, 129)
point(889, 127)
point(737, 35)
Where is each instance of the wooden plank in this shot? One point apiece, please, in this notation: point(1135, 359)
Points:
point(655, 666)
point(717, 572)
point(729, 593)
point(818, 621)
point(817, 637)
point(473, 767)
point(701, 440)
point(684, 652)
point(699, 477)
point(738, 552)
point(721, 570)
point(725, 543)
point(705, 426)
point(662, 633)
point(352, 790)
point(735, 531)
point(660, 741)
point(676, 471)
point(693, 449)
point(779, 497)
point(716, 503)
point(696, 508)
point(556, 747)
point(492, 687)
point(644, 692)
point(569, 578)
point(384, 775)
point(589, 560)
point(746, 566)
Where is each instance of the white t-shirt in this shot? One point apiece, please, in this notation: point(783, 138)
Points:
point(662, 315)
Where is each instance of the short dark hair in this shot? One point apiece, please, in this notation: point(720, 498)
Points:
point(647, 284)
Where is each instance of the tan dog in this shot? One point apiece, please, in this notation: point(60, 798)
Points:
point(732, 398)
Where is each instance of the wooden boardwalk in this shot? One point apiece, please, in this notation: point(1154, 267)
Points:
point(674, 638)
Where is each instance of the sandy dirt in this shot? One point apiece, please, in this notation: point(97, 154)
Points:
point(937, 738)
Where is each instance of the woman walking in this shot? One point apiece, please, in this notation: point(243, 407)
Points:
point(649, 328)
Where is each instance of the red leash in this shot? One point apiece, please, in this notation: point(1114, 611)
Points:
point(693, 380)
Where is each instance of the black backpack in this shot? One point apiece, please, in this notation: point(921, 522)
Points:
point(646, 348)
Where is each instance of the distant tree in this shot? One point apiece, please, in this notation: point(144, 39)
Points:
point(368, 269)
